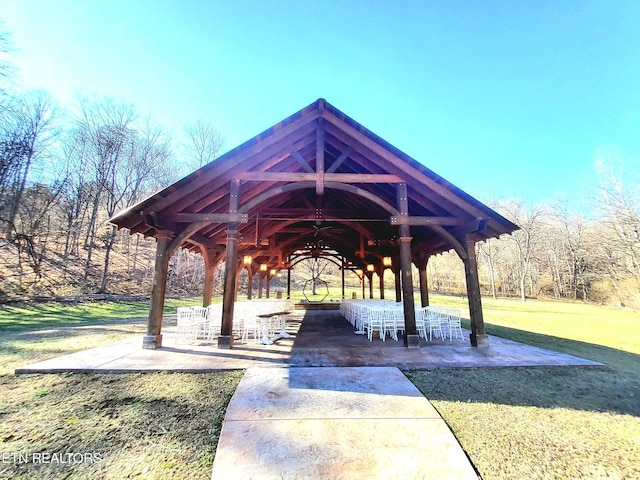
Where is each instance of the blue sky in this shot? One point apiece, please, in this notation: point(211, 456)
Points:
point(502, 98)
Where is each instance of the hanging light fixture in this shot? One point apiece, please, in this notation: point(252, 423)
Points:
point(370, 267)
point(263, 267)
point(273, 272)
point(247, 260)
point(386, 261)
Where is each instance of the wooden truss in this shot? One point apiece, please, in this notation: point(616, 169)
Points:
point(316, 174)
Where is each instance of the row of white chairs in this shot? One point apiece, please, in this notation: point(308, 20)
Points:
point(255, 318)
point(371, 316)
point(440, 323)
point(386, 317)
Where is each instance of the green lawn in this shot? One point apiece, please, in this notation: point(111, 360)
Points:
point(514, 423)
point(47, 315)
point(558, 422)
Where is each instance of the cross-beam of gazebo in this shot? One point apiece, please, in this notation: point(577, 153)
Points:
point(270, 197)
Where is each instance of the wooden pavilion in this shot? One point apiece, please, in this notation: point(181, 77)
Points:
point(316, 184)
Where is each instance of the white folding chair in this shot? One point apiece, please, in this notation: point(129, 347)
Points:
point(375, 323)
point(251, 326)
point(187, 328)
point(455, 328)
point(435, 319)
point(200, 319)
point(389, 323)
point(214, 320)
point(422, 322)
point(362, 318)
point(398, 316)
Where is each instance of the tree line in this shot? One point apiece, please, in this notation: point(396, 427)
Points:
point(590, 254)
point(65, 171)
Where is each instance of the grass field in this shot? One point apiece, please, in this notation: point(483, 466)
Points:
point(555, 423)
point(514, 423)
point(160, 426)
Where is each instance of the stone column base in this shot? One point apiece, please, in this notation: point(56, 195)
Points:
point(225, 342)
point(481, 341)
point(413, 341)
point(151, 342)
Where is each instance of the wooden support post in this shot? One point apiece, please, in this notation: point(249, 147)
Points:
point(260, 284)
point(396, 273)
point(289, 283)
point(268, 284)
point(342, 270)
point(411, 338)
point(238, 273)
point(153, 338)
point(370, 278)
point(225, 340)
point(320, 158)
point(381, 268)
point(211, 261)
point(362, 285)
point(424, 287)
point(478, 336)
point(249, 283)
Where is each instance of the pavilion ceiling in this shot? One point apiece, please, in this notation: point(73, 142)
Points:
point(317, 181)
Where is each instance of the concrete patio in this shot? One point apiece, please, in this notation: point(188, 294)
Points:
point(318, 339)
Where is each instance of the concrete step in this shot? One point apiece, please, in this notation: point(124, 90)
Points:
point(317, 306)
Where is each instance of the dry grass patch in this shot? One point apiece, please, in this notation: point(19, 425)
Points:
point(30, 346)
point(152, 426)
point(142, 426)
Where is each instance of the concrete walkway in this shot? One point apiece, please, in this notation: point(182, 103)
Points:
point(335, 423)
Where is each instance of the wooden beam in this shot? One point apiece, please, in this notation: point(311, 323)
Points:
point(424, 221)
point(256, 150)
point(311, 177)
point(206, 217)
point(362, 178)
point(300, 159)
point(320, 158)
point(376, 146)
point(423, 258)
point(340, 160)
point(309, 214)
point(477, 225)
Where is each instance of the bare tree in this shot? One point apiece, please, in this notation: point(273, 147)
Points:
point(26, 141)
point(490, 253)
point(7, 69)
point(618, 202)
point(203, 145)
point(526, 240)
point(103, 128)
point(75, 198)
point(142, 168)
